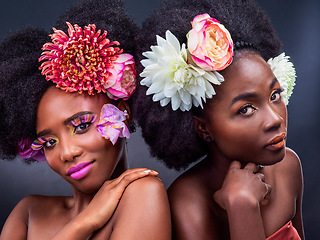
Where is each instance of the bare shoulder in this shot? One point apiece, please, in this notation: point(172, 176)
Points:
point(144, 192)
point(290, 165)
point(191, 204)
point(16, 225)
point(289, 172)
point(144, 203)
point(188, 187)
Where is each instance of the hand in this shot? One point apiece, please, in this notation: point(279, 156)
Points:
point(242, 186)
point(104, 203)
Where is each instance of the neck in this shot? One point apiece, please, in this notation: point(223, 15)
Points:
point(217, 165)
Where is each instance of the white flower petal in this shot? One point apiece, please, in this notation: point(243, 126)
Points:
point(284, 71)
point(158, 96)
point(175, 102)
point(164, 102)
point(173, 40)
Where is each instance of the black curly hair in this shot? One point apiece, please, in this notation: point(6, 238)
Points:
point(21, 83)
point(170, 134)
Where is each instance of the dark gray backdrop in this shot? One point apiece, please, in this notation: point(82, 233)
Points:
point(297, 24)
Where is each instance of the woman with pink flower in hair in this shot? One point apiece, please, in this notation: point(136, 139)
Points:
point(213, 92)
point(66, 101)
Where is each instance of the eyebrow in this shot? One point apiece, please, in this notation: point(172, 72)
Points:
point(274, 81)
point(43, 132)
point(243, 96)
point(66, 122)
point(75, 116)
point(250, 94)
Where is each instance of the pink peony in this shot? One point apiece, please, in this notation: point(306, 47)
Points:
point(124, 76)
point(210, 44)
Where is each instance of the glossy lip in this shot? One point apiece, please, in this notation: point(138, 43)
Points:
point(80, 170)
point(277, 142)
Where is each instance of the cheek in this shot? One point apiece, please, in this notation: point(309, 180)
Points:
point(53, 161)
point(102, 147)
point(236, 141)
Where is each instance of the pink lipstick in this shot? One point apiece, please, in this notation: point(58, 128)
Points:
point(277, 143)
point(80, 170)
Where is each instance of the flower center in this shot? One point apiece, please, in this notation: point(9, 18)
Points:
point(81, 59)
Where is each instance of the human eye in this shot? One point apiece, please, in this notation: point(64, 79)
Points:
point(82, 123)
point(44, 142)
point(276, 95)
point(247, 110)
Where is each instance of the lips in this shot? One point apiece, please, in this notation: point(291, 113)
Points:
point(80, 170)
point(277, 142)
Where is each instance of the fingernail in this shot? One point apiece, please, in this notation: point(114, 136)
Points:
point(155, 172)
point(159, 179)
point(259, 167)
point(147, 171)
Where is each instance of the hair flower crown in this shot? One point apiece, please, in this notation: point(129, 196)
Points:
point(184, 76)
point(85, 60)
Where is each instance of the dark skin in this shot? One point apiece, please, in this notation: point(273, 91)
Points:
point(108, 202)
point(227, 195)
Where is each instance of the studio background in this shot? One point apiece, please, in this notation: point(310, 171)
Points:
point(297, 24)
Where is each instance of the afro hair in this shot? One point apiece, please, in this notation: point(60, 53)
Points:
point(21, 82)
point(170, 134)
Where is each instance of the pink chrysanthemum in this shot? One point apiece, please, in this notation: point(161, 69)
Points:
point(81, 61)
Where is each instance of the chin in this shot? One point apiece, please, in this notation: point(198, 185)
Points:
point(275, 159)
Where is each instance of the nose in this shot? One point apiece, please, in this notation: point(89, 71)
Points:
point(69, 150)
point(273, 118)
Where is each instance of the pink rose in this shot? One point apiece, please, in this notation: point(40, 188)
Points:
point(210, 44)
point(124, 77)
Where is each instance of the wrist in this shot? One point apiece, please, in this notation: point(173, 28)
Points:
point(241, 201)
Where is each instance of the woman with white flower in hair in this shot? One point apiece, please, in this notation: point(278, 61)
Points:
point(216, 90)
point(75, 115)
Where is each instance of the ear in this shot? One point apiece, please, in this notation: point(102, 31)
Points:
point(123, 106)
point(201, 129)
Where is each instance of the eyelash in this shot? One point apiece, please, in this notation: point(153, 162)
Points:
point(84, 120)
point(249, 105)
point(277, 91)
point(42, 142)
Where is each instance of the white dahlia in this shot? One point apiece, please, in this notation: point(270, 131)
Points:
point(170, 78)
point(284, 71)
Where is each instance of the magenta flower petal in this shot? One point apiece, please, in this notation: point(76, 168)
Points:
point(25, 151)
point(111, 125)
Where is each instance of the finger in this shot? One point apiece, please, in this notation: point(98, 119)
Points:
point(144, 171)
point(235, 165)
point(268, 189)
point(135, 172)
point(261, 176)
point(129, 178)
point(251, 167)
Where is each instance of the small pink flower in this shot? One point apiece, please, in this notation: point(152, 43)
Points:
point(25, 151)
point(124, 76)
point(80, 61)
point(210, 44)
point(111, 125)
